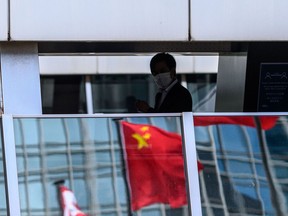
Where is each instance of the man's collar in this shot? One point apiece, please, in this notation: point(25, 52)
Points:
point(169, 87)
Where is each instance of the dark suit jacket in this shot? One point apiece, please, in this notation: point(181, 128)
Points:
point(178, 99)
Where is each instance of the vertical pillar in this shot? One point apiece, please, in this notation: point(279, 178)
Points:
point(231, 83)
point(20, 76)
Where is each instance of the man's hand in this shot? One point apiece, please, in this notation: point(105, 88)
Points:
point(142, 106)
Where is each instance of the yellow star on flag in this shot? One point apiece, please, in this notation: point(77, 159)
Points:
point(147, 136)
point(141, 141)
point(144, 128)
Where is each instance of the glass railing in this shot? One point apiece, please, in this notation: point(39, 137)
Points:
point(245, 164)
point(144, 164)
point(111, 165)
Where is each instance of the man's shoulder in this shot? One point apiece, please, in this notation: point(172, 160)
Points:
point(179, 99)
point(178, 87)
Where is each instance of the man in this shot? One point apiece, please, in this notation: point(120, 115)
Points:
point(172, 96)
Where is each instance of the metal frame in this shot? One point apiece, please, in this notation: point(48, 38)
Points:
point(190, 160)
point(10, 166)
point(136, 47)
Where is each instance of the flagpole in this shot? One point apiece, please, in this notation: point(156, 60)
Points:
point(58, 184)
point(124, 170)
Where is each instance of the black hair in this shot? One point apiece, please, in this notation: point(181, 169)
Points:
point(166, 57)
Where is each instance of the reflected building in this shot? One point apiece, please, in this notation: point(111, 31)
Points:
point(86, 153)
point(240, 177)
point(244, 170)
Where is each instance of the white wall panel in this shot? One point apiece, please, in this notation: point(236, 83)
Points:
point(239, 20)
point(3, 20)
point(122, 64)
point(141, 64)
point(68, 64)
point(197, 64)
point(106, 20)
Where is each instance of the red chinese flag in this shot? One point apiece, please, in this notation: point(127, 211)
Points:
point(155, 166)
point(267, 122)
point(68, 202)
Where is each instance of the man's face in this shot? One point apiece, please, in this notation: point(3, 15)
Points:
point(160, 67)
point(163, 75)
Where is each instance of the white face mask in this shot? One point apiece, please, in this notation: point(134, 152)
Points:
point(163, 80)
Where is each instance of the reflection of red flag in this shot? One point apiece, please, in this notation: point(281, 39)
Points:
point(155, 165)
point(267, 122)
point(68, 203)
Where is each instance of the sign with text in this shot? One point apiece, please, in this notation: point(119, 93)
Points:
point(273, 87)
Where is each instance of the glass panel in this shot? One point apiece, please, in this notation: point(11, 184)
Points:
point(118, 93)
point(3, 207)
point(98, 160)
point(245, 164)
point(203, 90)
point(63, 94)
